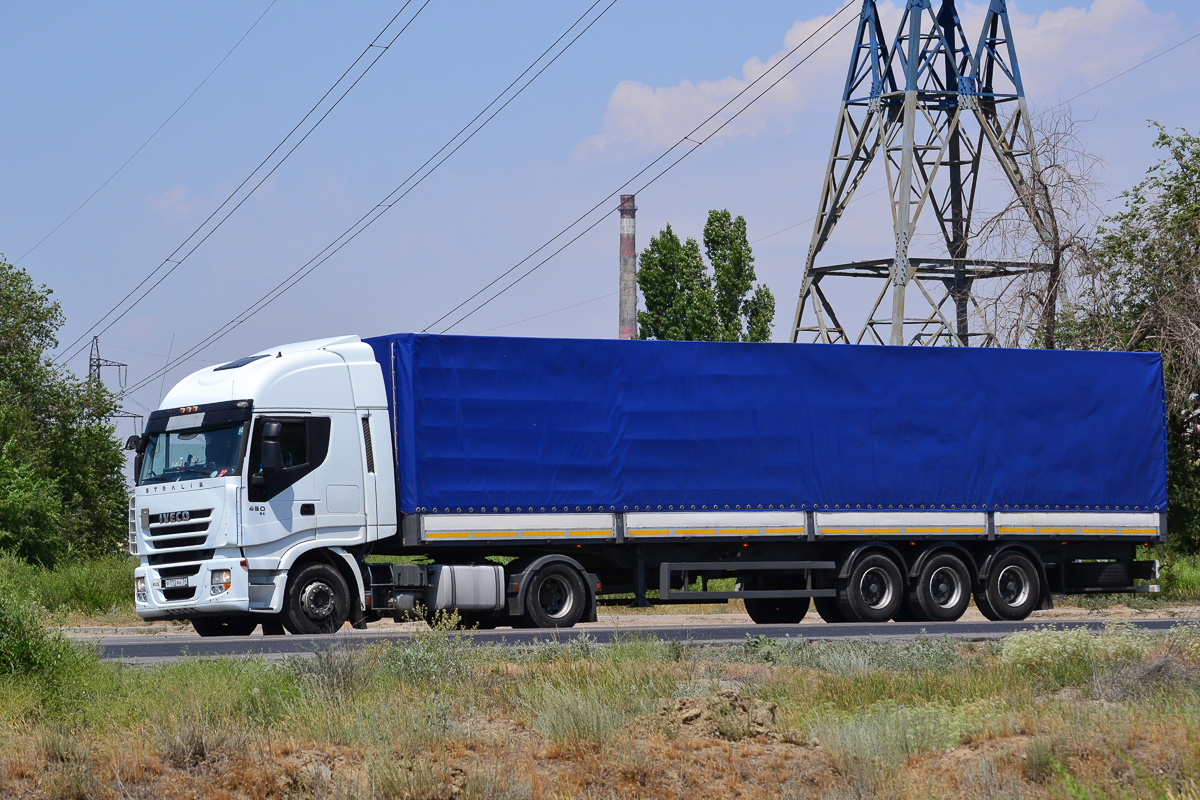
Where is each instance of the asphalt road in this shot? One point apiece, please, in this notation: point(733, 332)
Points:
point(147, 649)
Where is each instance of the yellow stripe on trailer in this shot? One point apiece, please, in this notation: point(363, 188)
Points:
point(925, 530)
point(841, 530)
point(539, 534)
point(1016, 530)
point(785, 530)
point(649, 533)
point(500, 534)
point(741, 531)
point(1138, 530)
point(449, 535)
point(695, 531)
point(962, 530)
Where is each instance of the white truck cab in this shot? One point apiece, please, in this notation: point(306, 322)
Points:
point(249, 468)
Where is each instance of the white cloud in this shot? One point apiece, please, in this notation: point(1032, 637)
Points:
point(1060, 51)
point(175, 202)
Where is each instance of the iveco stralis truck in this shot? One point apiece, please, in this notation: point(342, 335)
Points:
point(531, 476)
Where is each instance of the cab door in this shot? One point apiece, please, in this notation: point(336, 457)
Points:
point(283, 504)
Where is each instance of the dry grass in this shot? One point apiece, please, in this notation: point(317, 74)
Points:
point(1045, 715)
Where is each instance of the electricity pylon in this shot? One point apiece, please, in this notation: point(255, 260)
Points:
point(930, 105)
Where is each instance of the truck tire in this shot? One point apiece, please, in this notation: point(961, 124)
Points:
point(942, 590)
point(774, 610)
point(317, 601)
point(1012, 588)
point(224, 626)
point(827, 609)
point(555, 597)
point(874, 590)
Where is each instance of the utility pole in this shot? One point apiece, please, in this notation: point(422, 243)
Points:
point(95, 364)
point(628, 287)
point(928, 105)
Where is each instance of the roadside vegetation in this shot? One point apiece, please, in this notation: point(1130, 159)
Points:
point(1041, 714)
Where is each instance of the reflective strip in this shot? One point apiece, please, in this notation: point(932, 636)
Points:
point(785, 530)
point(488, 534)
point(543, 533)
point(840, 530)
point(1058, 530)
point(649, 533)
point(1099, 530)
point(695, 531)
point(1138, 530)
point(590, 533)
point(1016, 530)
point(742, 531)
point(964, 530)
point(449, 535)
point(925, 530)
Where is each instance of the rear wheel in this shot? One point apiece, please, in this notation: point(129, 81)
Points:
point(1012, 588)
point(555, 597)
point(317, 601)
point(774, 610)
point(941, 591)
point(874, 590)
point(224, 626)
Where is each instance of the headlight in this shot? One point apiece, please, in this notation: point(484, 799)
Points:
point(222, 579)
point(140, 584)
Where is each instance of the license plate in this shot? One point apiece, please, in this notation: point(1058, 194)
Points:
point(174, 583)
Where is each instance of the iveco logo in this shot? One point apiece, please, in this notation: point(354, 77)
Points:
point(174, 516)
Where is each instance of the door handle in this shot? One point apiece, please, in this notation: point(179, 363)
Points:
point(308, 509)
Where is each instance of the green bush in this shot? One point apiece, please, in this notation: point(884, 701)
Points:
point(87, 586)
point(28, 648)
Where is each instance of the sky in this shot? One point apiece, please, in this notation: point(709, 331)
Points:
point(85, 84)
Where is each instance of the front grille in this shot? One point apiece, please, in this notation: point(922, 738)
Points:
point(159, 559)
point(182, 593)
point(171, 535)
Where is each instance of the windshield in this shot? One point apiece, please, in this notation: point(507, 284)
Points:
point(185, 455)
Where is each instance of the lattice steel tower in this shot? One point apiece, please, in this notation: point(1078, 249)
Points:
point(929, 105)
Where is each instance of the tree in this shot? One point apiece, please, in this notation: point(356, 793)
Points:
point(1060, 192)
point(683, 301)
point(1140, 290)
point(61, 488)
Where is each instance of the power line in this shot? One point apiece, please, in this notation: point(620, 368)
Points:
point(150, 138)
point(1131, 69)
point(696, 144)
point(397, 194)
point(176, 262)
point(545, 314)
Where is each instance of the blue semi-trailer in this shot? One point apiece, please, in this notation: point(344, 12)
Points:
point(874, 483)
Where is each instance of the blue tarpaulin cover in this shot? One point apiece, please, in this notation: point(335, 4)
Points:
point(558, 423)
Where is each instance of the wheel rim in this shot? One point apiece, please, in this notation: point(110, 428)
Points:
point(318, 600)
point(875, 586)
point(945, 587)
point(555, 597)
point(1012, 584)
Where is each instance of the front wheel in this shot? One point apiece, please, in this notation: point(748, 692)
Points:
point(1012, 589)
point(317, 601)
point(224, 626)
point(556, 597)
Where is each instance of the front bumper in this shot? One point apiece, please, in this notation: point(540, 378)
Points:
point(199, 597)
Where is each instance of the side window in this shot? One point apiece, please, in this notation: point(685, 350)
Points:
point(303, 445)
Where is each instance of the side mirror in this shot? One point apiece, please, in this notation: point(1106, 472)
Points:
point(272, 456)
point(132, 442)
